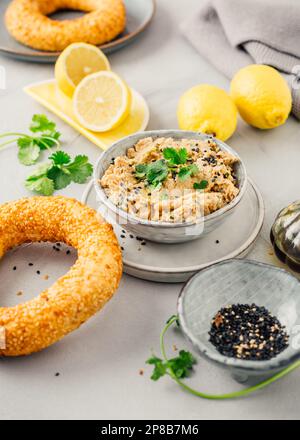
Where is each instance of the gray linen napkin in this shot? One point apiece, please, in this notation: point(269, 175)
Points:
point(234, 33)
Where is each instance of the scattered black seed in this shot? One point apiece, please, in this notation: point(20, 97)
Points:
point(15, 268)
point(30, 264)
point(139, 238)
point(143, 243)
point(249, 332)
point(57, 374)
point(123, 230)
point(58, 244)
point(122, 248)
point(122, 236)
point(68, 252)
point(217, 241)
point(131, 236)
point(38, 272)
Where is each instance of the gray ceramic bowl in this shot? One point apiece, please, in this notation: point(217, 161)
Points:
point(164, 232)
point(245, 282)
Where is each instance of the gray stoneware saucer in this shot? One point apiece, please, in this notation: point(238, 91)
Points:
point(244, 282)
point(174, 263)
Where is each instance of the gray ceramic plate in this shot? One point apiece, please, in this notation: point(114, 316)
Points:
point(139, 16)
point(173, 263)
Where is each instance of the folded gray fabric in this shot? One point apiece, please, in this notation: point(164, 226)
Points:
point(234, 33)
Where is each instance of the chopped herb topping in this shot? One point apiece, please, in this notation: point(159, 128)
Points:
point(201, 185)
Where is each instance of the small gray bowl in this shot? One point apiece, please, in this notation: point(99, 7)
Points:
point(164, 232)
point(245, 282)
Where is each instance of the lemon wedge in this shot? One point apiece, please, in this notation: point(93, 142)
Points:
point(101, 101)
point(76, 62)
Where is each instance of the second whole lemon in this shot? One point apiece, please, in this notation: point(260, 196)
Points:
point(261, 95)
point(207, 109)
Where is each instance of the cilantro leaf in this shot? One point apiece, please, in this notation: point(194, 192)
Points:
point(141, 170)
point(157, 172)
point(188, 171)
point(40, 123)
point(160, 368)
point(60, 178)
point(175, 157)
point(181, 365)
point(59, 173)
point(60, 158)
point(24, 141)
point(80, 169)
point(201, 185)
point(43, 136)
point(28, 154)
point(39, 182)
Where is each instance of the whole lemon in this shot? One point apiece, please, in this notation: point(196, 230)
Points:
point(261, 95)
point(207, 109)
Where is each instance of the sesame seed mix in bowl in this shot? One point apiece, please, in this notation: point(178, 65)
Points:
point(249, 332)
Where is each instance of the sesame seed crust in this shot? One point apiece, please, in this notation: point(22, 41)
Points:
point(28, 22)
point(74, 297)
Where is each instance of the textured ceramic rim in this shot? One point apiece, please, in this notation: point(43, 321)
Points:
point(114, 44)
point(161, 133)
point(215, 356)
point(191, 270)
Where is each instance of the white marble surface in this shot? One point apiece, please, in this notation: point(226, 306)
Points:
point(99, 364)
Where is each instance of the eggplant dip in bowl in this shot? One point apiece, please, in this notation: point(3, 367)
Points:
point(169, 186)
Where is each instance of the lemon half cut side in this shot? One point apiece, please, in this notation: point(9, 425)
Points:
point(76, 62)
point(102, 101)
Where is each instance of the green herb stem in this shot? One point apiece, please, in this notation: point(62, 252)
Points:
point(14, 134)
point(11, 141)
point(233, 395)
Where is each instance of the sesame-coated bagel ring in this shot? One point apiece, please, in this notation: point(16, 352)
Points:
point(74, 297)
point(28, 22)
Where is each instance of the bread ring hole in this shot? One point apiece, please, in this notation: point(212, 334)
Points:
point(66, 14)
point(29, 269)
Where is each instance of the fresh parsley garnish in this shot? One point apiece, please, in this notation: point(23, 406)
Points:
point(44, 135)
point(175, 157)
point(59, 173)
point(201, 185)
point(188, 171)
point(154, 173)
point(181, 365)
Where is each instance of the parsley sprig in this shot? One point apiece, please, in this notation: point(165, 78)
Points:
point(180, 367)
point(44, 135)
point(59, 173)
point(175, 161)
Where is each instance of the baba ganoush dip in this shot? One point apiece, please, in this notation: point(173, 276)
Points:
point(171, 180)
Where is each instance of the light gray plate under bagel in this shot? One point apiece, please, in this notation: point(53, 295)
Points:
point(139, 15)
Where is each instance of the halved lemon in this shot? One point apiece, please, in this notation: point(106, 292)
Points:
point(101, 101)
point(76, 62)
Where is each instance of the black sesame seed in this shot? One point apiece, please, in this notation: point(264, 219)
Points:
point(15, 268)
point(30, 264)
point(57, 374)
point(248, 332)
point(68, 252)
point(38, 272)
